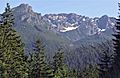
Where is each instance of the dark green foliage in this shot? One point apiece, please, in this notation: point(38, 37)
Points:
point(11, 49)
point(60, 68)
point(74, 73)
point(116, 64)
point(90, 72)
point(58, 60)
point(1, 69)
point(105, 64)
point(37, 65)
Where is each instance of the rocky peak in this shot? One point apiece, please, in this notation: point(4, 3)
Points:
point(23, 8)
point(103, 22)
point(24, 13)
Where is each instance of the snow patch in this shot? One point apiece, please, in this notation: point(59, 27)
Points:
point(112, 24)
point(49, 20)
point(72, 24)
point(83, 19)
point(92, 20)
point(65, 29)
point(101, 30)
point(54, 25)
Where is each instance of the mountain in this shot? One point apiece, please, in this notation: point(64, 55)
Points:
point(71, 26)
point(77, 25)
point(31, 27)
point(70, 31)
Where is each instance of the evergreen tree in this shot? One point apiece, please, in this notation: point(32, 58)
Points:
point(60, 68)
point(105, 64)
point(1, 69)
point(38, 66)
point(11, 48)
point(116, 64)
point(90, 72)
point(73, 73)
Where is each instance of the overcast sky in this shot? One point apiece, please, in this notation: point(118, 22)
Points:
point(91, 8)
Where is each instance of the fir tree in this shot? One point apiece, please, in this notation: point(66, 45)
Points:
point(60, 68)
point(11, 48)
point(74, 73)
point(116, 64)
point(90, 72)
point(38, 65)
point(105, 64)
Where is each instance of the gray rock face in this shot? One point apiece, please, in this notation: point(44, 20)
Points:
point(24, 8)
point(24, 13)
point(75, 27)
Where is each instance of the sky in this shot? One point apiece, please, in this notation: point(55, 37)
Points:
point(90, 8)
